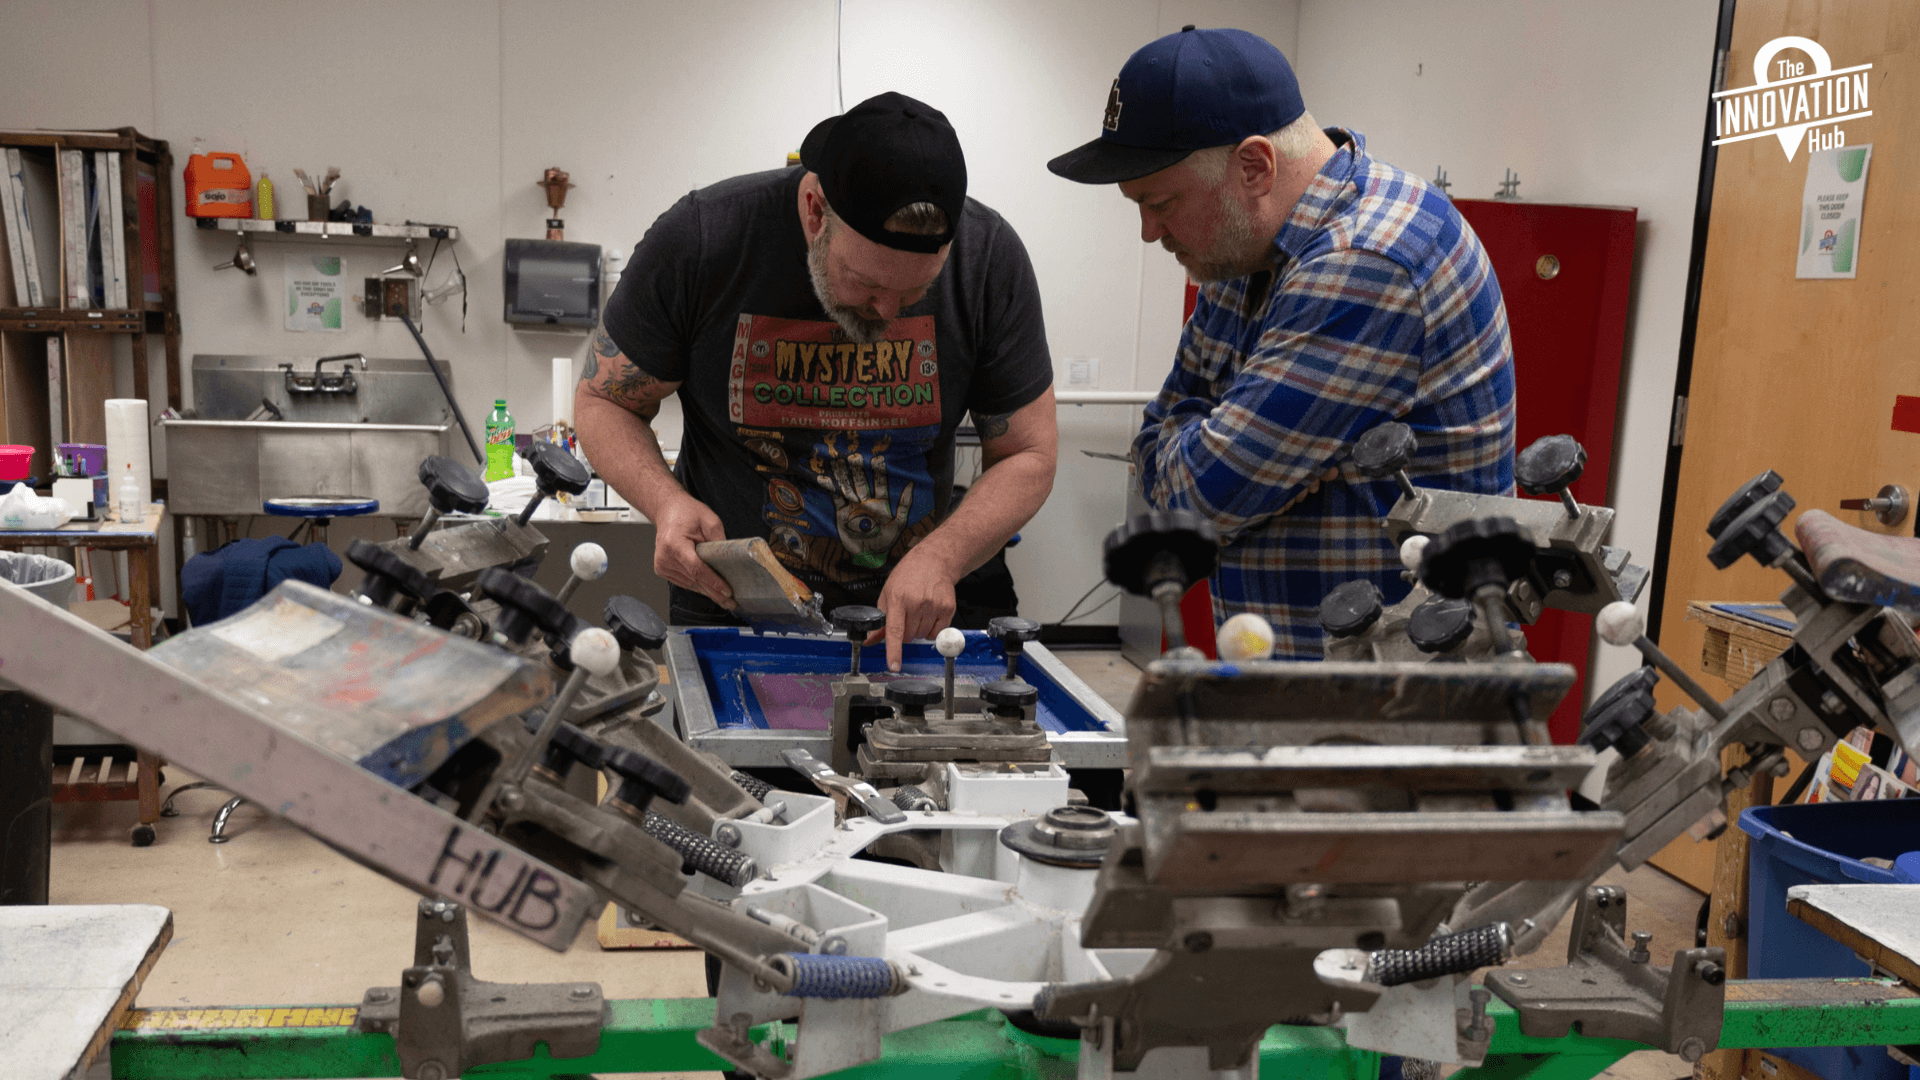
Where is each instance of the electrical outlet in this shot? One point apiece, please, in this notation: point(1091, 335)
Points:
point(1083, 373)
point(392, 297)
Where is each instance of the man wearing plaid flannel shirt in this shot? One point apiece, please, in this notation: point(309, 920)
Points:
point(1337, 293)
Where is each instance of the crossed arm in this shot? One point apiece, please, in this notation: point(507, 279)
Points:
point(616, 402)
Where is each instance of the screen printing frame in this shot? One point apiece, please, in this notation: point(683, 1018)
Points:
point(739, 747)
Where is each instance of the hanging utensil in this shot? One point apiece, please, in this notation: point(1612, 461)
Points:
point(409, 264)
point(242, 259)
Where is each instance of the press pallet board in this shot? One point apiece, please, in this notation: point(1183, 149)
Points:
point(1741, 638)
point(37, 201)
point(73, 973)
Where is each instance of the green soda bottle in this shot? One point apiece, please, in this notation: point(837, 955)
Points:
point(499, 441)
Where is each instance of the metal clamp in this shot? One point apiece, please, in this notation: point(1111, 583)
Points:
point(444, 1021)
point(1612, 994)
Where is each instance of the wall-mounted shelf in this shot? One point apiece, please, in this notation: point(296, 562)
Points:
point(329, 231)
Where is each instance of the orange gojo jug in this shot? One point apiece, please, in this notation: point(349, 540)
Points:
point(219, 185)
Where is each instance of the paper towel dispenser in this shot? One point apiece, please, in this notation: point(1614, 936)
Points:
point(552, 283)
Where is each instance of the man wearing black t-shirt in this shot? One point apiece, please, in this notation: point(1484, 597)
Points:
point(827, 328)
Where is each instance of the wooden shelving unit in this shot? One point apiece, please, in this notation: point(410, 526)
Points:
point(87, 354)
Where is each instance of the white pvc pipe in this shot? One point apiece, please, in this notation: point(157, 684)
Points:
point(1103, 397)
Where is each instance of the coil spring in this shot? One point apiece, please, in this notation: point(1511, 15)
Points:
point(753, 785)
point(1454, 954)
point(834, 977)
point(912, 798)
point(697, 852)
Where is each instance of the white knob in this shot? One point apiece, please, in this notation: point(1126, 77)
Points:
point(1413, 550)
point(596, 650)
point(950, 642)
point(1245, 636)
point(589, 561)
point(1620, 623)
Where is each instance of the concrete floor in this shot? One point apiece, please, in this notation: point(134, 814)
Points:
point(276, 918)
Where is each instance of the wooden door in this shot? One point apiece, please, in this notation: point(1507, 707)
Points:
point(1564, 274)
point(1800, 376)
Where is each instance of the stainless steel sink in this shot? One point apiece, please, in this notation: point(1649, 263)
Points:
point(368, 442)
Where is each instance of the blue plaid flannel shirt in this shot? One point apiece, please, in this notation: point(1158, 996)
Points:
point(1383, 307)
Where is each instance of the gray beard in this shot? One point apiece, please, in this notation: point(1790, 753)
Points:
point(861, 329)
point(1235, 235)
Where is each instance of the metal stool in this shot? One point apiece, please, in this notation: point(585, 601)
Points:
point(319, 511)
point(218, 835)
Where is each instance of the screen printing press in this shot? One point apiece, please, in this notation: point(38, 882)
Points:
point(1316, 864)
point(747, 697)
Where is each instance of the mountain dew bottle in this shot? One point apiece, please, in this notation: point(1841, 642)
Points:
point(499, 441)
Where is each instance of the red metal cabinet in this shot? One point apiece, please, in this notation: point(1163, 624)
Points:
point(1565, 274)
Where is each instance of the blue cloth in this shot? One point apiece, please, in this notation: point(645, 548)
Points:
point(1383, 306)
point(217, 584)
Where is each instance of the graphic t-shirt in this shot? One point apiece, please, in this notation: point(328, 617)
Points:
point(839, 453)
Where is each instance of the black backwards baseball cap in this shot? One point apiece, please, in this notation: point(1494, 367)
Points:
point(887, 152)
point(1185, 92)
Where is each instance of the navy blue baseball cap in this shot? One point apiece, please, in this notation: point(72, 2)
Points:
point(1185, 92)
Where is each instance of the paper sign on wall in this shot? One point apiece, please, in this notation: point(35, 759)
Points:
point(316, 292)
point(1830, 212)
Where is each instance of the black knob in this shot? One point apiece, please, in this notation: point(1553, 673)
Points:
point(857, 620)
point(1010, 695)
point(1013, 631)
point(1440, 625)
point(556, 470)
point(914, 695)
point(525, 607)
point(1350, 609)
point(1177, 545)
point(1755, 532)
point(388, 574)
point(1616, 716)
point(1475, 553)
point(642, 779)
point(1550, 465)
point(1385, 450)
point(444, 609)
point(568, 746)
point(452, 487)
point(634, 624)
point(1750, 492)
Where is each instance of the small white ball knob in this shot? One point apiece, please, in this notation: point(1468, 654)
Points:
point(1413, 550)
point(1245, 636)
point(589, 561)
point(950, 642)
point(1620, 623)
point(595, 650)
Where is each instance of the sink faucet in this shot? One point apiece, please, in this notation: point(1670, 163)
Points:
point(320, 382)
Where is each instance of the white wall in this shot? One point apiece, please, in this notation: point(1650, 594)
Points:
point(451, 110)
point(448, 110)
point(1588, 103)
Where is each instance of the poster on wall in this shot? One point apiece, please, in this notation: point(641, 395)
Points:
point(316, 292)
point(1830, 212)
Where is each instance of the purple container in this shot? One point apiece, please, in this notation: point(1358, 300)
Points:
point(91, 458)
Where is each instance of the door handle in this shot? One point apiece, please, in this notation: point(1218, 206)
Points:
point(1890, 505)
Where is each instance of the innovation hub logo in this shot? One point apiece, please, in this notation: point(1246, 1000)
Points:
point(1791, 103)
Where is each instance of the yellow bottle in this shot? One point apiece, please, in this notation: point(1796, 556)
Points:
point(263, 203)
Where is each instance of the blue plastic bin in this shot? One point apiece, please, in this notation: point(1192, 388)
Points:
point(1821, 844)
